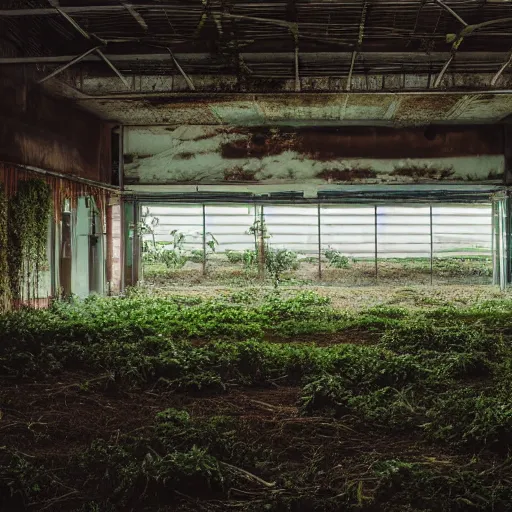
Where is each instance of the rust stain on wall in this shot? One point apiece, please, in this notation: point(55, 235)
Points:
point(424, 108)
point(239, 174)
point(422, 172)
point(340, 175)
point(324, 144)
point(198, 154)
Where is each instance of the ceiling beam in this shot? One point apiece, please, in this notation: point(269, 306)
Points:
point(358, 45)
point(45, 11)
point(138, 18)
point(88, 36)
point(68, 64)
point(414, 57)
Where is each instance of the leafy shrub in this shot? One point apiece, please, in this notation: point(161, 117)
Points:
point(278, 261)
point(336, 259)
point(426, 335)
point(196, 256)
point(130, 473)
point(419, 486)
point(234, 256)
point(328, 394)
point(466, 416)
point(249, 258)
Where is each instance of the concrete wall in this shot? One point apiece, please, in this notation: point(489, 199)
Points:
point(229, 155)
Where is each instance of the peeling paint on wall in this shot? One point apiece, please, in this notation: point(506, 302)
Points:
point(211, 154)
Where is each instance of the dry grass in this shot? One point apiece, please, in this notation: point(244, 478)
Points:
point(353, 298)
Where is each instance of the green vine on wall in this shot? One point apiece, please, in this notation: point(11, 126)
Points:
point(5, 289)
point(29, 212)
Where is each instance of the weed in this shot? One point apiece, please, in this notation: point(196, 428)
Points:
point(336, 259)
point(234, 256)
point(278, 261)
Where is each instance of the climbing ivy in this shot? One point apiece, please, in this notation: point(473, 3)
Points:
point(29, 212)
point(5, 291)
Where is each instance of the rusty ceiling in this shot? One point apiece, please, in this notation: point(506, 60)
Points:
point(250, 62)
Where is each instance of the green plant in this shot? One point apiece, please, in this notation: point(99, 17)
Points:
point(234, 256)
point(336, 259)
point(278, 261)
point(259, 231)
point(466, 416)
point(249, 258)
point(5, 289)
point(147, 227)
point(196, 256)
point(176, 256)
point(28, 217)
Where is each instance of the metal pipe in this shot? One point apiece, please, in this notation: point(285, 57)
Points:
point(197, 57)
point(68, 64)
point(204, 240)
point(451, 11)
point(441, 74)
point(113, 68)
point(68, 177)
point(319, 244)
point(501, 70)
point(376, 248)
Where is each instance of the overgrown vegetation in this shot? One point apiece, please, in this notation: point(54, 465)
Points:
point(5, 288)
point(336, 259)
point(255, 401)
point(23, 238)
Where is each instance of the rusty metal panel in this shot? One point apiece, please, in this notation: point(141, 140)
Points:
point(367, 106)
point(301, 109)
point(242, 113)
point(486, 106)
point(426, 109)
point(152, 111)
point(294, 108)
point(215, 154)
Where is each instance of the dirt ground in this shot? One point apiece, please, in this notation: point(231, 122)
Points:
point(406, 272)
point(57, 420)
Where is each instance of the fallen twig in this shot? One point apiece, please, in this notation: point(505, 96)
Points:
point(248, 475)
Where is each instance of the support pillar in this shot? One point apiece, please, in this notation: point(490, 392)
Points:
point(129, 228)
point(319, 222)
point(501, 242)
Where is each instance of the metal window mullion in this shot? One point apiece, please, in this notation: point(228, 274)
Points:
point(376, 243)
point(319, 244)
point(204, 239)
point(495, 246)
point(501, 230)
point(431, 249)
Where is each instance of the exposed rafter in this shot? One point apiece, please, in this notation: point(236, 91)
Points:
point(81, 31)
point(505, 65)
point(138, 18)
point(284, 40)
point(68, 64)
point(358, 46)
